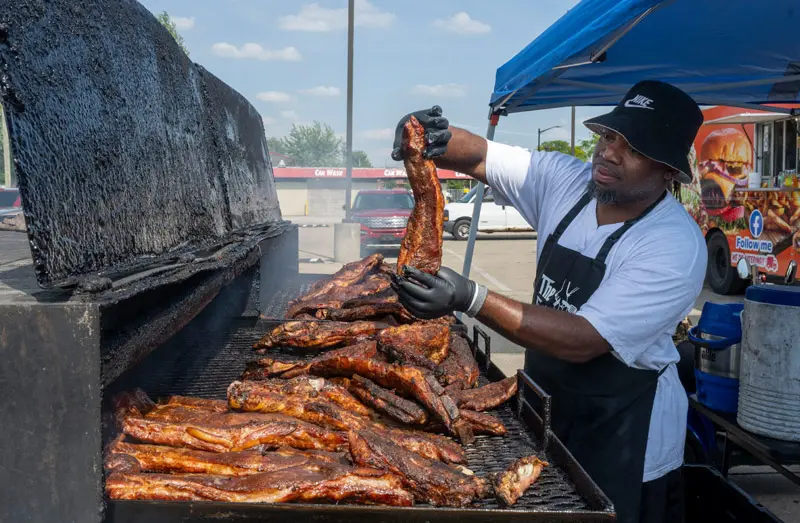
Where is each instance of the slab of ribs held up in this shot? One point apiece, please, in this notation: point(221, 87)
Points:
point(353, 400)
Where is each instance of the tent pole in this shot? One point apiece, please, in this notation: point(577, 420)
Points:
point(476, 210)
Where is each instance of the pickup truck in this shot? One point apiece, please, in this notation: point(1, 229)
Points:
point(383, 215)
point(493, 218)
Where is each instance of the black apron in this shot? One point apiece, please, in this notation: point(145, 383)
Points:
point(600, 409)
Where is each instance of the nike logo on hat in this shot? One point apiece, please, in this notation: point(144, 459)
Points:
point(639, 102)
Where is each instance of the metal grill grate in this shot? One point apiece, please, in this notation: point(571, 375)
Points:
point(207, 367)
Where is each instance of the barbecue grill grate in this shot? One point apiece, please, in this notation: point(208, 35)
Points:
point(209, 366)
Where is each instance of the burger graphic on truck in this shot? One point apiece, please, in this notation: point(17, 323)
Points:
point(724, 163)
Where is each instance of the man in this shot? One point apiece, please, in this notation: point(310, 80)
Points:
point(619, 264)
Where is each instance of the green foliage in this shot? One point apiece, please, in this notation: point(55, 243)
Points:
point(315, 145)
point(167, 22)
point(584, 149)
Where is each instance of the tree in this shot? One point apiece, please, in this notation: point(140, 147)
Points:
point(585, 148)
point(167, 22)
point(360, 159)
point(275, 145)
point(314, 145)
point(556, 145)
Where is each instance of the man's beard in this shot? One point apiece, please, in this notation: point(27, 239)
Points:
point(614, 197)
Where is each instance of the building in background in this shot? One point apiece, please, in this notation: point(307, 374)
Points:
point(320, 192)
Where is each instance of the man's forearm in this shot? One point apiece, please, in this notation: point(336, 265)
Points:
point(557, 333)
point(466, 153)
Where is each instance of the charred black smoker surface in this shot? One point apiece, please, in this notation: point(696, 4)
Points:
point(125, 151)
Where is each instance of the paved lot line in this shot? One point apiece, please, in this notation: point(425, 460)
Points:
point(486, 276)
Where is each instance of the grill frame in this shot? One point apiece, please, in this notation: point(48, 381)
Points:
point(564, 479)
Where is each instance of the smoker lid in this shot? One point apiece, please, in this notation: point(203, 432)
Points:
point(127, 153)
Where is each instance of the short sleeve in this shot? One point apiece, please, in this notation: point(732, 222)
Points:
point(640, 302)
point(529, 181)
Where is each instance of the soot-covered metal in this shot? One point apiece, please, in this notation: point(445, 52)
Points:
point(125, 150)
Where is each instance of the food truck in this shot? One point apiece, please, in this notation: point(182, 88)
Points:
point(745, 194)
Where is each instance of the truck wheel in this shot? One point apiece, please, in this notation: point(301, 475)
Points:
point(461, 229)
point(721, 275)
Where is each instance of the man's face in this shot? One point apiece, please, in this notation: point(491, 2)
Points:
point(620, 174)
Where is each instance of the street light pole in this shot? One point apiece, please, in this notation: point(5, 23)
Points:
point(539, 138)
point(349, 147)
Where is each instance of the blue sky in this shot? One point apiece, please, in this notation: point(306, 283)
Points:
point(289, 59)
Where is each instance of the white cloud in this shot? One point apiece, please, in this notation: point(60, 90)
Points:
point(315, 18)
point(255, 51)
point(322, 91)
point(462, 23)
point(442, 90)
point(379, 134)
point(267, 120)
point(290, 115)
point(274, 96)
point(182, 23)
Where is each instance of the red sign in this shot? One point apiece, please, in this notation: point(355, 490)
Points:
point(360, 173)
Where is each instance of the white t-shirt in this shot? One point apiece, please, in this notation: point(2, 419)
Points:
point(654, 274)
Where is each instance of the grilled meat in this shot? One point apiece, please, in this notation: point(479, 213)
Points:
point(459, 370)
point(422, 246)
point(512, 483)
point(339, 297)
point(252, 397)
point(408, 381)
point(332, 484)
point(483, 423)
point(373, 307)
point(313, 388)
point(430, 481)
point(348, 275)
point(422, 344)
point(265, 368)
point(318, 335)
point(232, 431)
point(486, 397)
point(387, 402)
point(159, 458)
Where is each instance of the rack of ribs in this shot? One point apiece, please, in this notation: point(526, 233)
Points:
point(486, 397)
point(331, 484)
point(318, 335)
point(349, 274)
point(420, 344)
point(430, 481)
point(179, 426)
point(459, 370)
point(512, 483)
point(342, 296)
point(160, 458)
point(387, 402)
point(422, 246)
point(266, 368)
point(314, 388)
point(251, 396)
point(412, 382)
point(376, 306)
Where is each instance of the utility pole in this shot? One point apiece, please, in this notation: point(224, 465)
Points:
point(349, 148)
point(572, 134)
point(10, 180)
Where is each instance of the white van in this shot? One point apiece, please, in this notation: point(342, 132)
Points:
point(494, 218)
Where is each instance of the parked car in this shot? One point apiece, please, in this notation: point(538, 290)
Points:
point(10, 201)
point(493, 218)
point(383, 215)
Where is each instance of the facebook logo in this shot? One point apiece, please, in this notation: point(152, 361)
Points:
point(756, 223)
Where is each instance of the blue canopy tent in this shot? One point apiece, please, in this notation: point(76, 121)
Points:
point(722, 52)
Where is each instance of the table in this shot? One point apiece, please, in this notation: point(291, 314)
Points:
point(773, 452)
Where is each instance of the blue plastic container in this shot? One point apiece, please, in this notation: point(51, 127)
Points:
point(717, 339)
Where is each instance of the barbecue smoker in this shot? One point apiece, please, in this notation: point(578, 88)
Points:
point(159, 258)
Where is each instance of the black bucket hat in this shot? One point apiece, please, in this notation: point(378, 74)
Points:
point(658, 120)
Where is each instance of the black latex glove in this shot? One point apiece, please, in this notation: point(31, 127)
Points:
point(428, 297)
point(437, 134)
